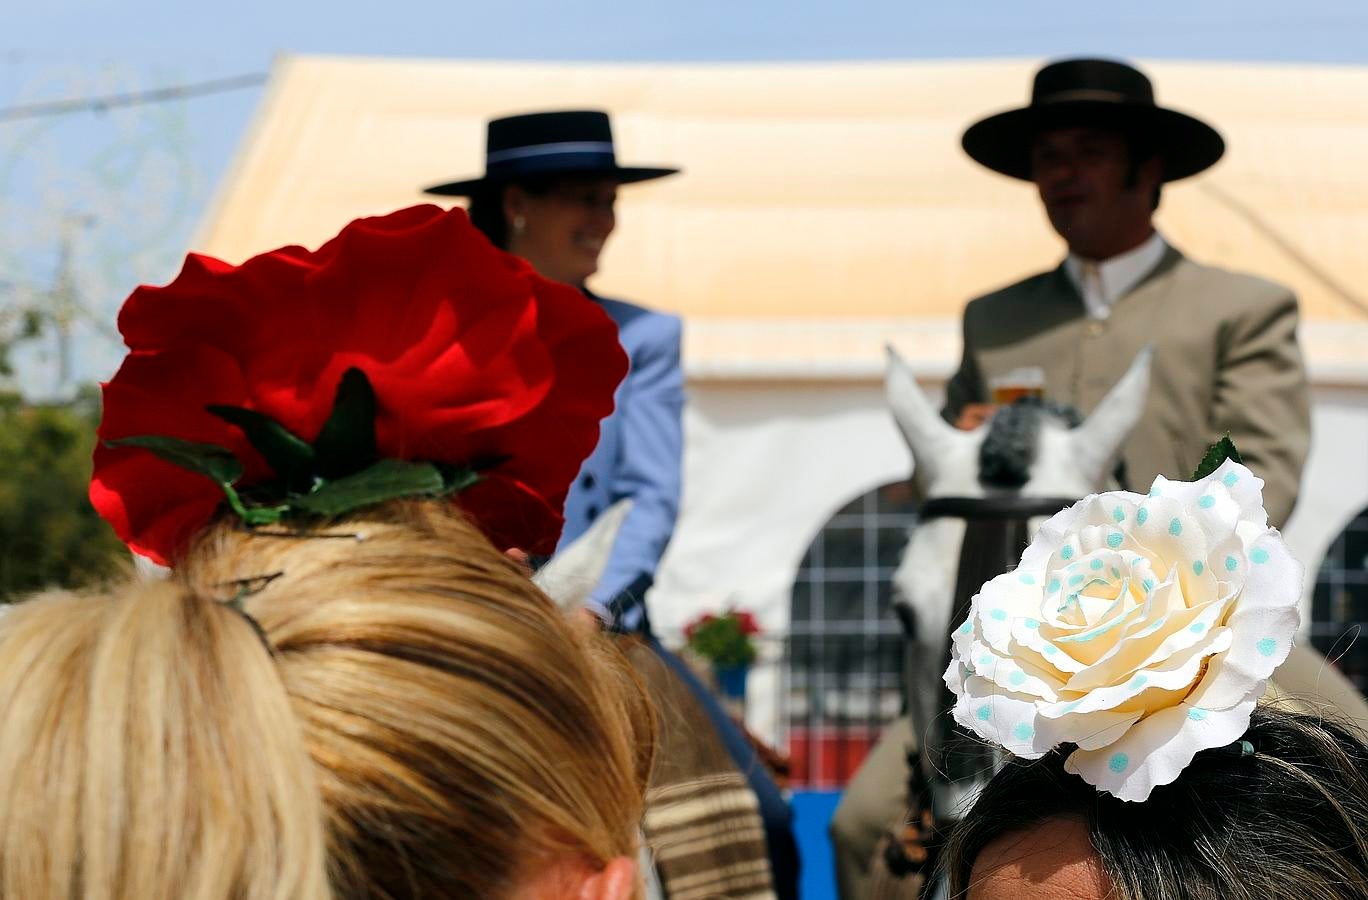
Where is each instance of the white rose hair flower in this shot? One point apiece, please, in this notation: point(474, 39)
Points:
point(1142, 629)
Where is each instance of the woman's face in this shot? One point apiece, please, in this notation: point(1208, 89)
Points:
point(563, 230)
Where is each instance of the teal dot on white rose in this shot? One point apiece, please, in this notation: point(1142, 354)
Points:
point(1118, 763)
point(985, 661)
point(1197, 715)
point(1197, 627)
point(1017, 678)
point(1138, 681)
point(1075, 581)
point(1119, 515)
point(1175, 526)
point(1026, 579)
point(1230, 479)
point(1207, 501)
point(1198, 567)
point(1115, 538)
point(1148, 584)
point(999, 615)
point(966, 628)
point(1066, 552)
point(1267, 646)
point(1023, 732)
point(1116, 573)
point(1051, 649)
point(1258, 556)
point(1032, 624)
point(1054, 585)
point(1154, 491)
point(1095, 565)
point(985, 712)
point(1231, 563)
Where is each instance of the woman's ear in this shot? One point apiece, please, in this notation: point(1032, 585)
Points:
point(615, 881)
point(514, 206)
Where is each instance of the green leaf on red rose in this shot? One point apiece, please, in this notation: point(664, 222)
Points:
point(210, 460)
point(288, 456)
point(386, 480)
point(346, 443)
point(456, 478)
point(1216, 454)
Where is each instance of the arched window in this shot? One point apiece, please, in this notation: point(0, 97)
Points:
point(846, 646)
point(1339, 606)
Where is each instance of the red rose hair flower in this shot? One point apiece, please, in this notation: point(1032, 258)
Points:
point(473, 359)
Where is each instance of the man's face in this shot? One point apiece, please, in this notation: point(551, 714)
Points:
point(1085, 181)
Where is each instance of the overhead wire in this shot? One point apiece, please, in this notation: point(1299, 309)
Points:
point(106, 102)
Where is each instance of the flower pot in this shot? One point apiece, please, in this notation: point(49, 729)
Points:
point(731, 681)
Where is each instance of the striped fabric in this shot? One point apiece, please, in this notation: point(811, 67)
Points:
point(702, 821)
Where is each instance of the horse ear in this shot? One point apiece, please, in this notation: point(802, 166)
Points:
point(572, 573)
point(1098, 440)
point(928, 436)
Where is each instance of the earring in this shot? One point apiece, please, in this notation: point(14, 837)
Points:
point(519, 224)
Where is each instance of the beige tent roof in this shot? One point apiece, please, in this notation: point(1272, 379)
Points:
point(823, 206)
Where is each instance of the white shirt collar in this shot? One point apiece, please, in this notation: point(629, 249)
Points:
point(1103, 283)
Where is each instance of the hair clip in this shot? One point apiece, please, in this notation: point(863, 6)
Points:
point(1241, 749)
point(301, 533)
point(246, 587)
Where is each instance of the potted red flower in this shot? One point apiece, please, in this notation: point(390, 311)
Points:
point(727, 642)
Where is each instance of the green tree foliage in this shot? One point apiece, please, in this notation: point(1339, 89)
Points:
point(49, 533)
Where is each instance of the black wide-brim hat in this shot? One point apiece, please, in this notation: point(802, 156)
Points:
point(570, 142)
point(1096, 93)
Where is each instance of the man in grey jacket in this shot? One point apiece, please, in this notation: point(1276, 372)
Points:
point(1098, 149)
point(1226, 357)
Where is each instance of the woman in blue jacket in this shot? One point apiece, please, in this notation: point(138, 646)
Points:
point(548, 195)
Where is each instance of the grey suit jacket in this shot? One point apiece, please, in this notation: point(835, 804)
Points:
point(1226, 359)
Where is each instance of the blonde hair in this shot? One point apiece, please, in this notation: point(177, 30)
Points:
point(460, 730)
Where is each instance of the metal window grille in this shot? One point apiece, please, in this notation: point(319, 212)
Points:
point(1339, 605)
point(845, 647)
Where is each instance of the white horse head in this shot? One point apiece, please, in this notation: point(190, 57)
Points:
point(573, 572)
point(1064, 461)
point(1068, 461)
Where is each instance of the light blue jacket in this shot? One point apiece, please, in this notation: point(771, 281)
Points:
point(639, 455)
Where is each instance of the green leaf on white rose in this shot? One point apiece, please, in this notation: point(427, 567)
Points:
point(210, 460)
point(386, 480)
point(288, 456)
point(346, 443)
point(1217, 453)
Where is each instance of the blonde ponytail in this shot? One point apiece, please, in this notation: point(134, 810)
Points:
point(149, 751)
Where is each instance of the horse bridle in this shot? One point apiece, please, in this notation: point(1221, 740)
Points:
point(1004, 506)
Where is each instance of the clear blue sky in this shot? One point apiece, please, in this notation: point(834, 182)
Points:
point(126, 187)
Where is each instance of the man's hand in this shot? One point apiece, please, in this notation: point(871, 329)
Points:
point(975, 414)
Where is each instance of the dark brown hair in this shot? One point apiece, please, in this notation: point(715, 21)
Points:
point(1291, 820)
